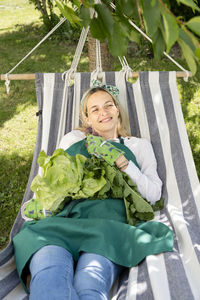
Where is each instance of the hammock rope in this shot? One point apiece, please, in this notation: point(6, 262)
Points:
point(68, 76)
point(97, 73)
point(98, 56)
point(98, 51)
point(77, 55)
point(7, 83)
point(150, 40)
point(125, 67)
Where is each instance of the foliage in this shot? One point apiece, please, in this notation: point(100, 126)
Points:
point(161, 24)
point(184, 11)
point(50, 17)
point(46, 8)
point(65, 178)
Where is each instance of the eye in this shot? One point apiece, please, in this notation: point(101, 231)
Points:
point(108, 105)
point(94, 110)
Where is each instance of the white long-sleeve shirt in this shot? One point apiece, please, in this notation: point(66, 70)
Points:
point(146, 178)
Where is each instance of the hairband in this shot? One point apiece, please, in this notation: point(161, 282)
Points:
point(111, 89)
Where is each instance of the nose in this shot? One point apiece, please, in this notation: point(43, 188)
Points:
point(102, 111)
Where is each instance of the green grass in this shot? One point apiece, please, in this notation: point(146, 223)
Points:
point(20, 32)
point(16, 13)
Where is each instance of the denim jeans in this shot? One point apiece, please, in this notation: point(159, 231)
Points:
point(53, 276)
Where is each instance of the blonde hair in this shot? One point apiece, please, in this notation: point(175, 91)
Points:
point(121, 128)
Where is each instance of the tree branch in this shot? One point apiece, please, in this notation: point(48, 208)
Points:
point(140, 15)
point(39, 6)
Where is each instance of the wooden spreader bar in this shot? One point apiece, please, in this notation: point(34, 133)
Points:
point(32, 76)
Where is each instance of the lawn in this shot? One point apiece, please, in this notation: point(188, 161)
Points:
point(20, 31)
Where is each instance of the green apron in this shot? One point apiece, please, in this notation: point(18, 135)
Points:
point(95, 226)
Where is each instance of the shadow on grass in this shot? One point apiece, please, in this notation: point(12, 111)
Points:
point(54, 55)
point(21, 96)
point(14, 174)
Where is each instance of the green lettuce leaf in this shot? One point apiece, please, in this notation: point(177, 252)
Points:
point(64, 178)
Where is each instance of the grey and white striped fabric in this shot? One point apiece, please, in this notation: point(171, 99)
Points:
point(152, 110)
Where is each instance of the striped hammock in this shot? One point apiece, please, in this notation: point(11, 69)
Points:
point(152, 109)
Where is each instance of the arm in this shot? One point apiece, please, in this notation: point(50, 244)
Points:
point(71, 138)
point(146, 179)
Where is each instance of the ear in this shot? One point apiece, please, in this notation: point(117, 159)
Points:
point(87, 121)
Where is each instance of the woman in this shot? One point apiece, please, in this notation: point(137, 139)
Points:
point(95, 234)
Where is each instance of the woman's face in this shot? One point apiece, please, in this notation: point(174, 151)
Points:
point(102, 114)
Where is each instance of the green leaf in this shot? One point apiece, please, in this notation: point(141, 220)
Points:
point(158, 44)
point(88, 3)
point(194, 25)
point(188, 38)
point(105, 17)
point(68, 13)
point(61, 177)
point(188, 55)
point(197, 52)
point(117, 42)
point(159, 205)
point(134, 36)
point(97, 30)
point(171, 30)
point(85, 16)
point(42, 158)
point(77, 3)
point(101, 26)
point(128, 7)
point(128, 30)
point(153, 2)
point(151, 14)
point(190, 3)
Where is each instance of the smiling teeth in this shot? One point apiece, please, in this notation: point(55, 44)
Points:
point(104, 120)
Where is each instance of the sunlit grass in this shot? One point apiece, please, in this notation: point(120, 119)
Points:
point(20, 13)
point(24, 121)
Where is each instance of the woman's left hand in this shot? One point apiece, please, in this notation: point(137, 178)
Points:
point(99, 147)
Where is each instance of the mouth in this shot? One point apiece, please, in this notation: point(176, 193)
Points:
point(105, 120)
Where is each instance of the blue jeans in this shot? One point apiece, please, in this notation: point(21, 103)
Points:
point(53, 276)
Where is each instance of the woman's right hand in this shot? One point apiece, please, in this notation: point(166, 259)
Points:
point(121, 162)
point(101, 148)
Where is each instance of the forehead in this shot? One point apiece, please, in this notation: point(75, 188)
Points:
point(98, 98)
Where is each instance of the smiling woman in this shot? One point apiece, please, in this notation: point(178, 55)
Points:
point(98, 232)
point(101, 111)
point(102, 114)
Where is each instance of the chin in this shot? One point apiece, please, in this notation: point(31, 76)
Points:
point(106, 132)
